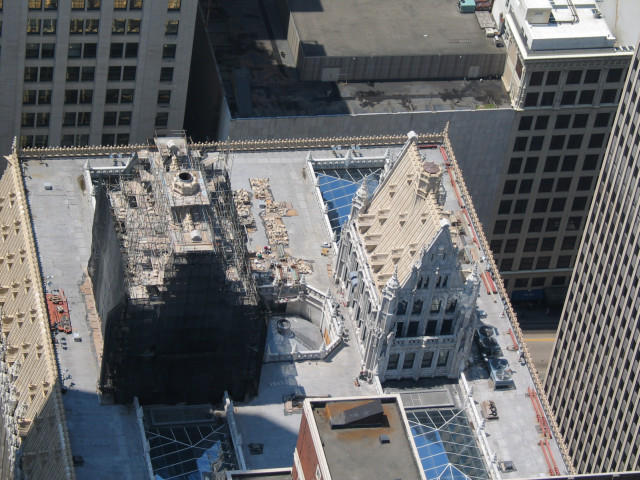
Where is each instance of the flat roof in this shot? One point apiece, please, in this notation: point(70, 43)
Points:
point(336, 28)
point(357, 452)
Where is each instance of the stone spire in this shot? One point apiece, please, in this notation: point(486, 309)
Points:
point(362, 196)
point(393, 284)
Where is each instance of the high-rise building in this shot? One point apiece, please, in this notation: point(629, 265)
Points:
point(91, 72)
point(564, 73)
point(593, 379)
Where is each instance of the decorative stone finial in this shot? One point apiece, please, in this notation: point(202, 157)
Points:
point(393, 284)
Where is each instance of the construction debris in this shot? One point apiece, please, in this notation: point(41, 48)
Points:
point(242, 201)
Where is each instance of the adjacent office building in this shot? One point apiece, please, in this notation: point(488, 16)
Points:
point(91, 72)
point(593, 377)
point(564, 73)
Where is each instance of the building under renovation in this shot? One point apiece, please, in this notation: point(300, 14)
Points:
point(180, 314)
point(399, 267)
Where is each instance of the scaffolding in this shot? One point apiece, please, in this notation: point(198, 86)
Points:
point(182, 249)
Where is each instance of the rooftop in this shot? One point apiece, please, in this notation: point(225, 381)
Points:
point(335, 28)
point(358, 450)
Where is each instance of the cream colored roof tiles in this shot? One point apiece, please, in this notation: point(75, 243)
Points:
point(390, 240)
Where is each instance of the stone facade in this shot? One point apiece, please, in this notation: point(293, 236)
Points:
point(399, 270)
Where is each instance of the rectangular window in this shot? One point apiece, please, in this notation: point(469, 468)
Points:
point(409, 358)
point(563, 184)
point(521, 283)
point(584, 183)
point(614, 75)
point(49, 26)
point(575, 141)
point(84, 118)
point(108, 139)
point(88, 74)
point(580, 120)
point(166, 74)
point(562, 121)
point(126, 95)
point(541, 122)
point(520, 144)
point(67, 141)
point(536, 78)
point(526, 263)
point(590, 162)
point(531, 165)
point(29, 97)
point(547, 244)
point(602, 120)
point(568, 243)
point(89, 50)
point(169, 50)
point(569, 163)
point(500, 227)
point(511, 245)
point(568, 97)
point(135, 4)
point(536, 143)
point(48, 50)
point(77, 4)
point(579, 203)
point(46, 74)
point(553, 78)
point(509, 187)
point(75, 50)
point(50, 4)
point(93, 4)
point(394, 358)
point(171, 27)
point(133, 25)
point(506, 264)
point(505, 207)
point(557, 205)
point(553, 225)
point(564, 261)
point(547, 99)
point(128, 73)
point(525, 186)
point(535, 225)
point(574, 77)
point(119, 4)
point(112, 95)
point(110, 118)
point(33, 26)
point(124, 118)
point(70, 96)
point(531, 100)
point(530, 245)
point(557, 142)
point(91, 25)
point(592, 76)
point(596, 140)
point(520, 206)
point(76, 26)
point(32, 50)
point(162, 118)
point(608, 96)
point(85, 96)
point(551, 164)
point(574, 223)
point(118, 25)
point(427, 360)
point(28, 119)
point(44, 97)
point(586, 97)
point(116, 50)
point(543, 263)
point(443, 358)
point(164, 97)
point(114, 74)
point(540, 205)
point(131, 50)
point(35, 4)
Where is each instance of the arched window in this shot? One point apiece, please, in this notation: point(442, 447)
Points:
point(402, 308)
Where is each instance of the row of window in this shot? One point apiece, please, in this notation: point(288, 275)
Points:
point(541, 205)
point(535, 225)
point(551, 164)
point(37, 26)
point(545, 244)
point(570, 98)
point(557, 142)
point(80, 119)
point(416, 307)
point(430, 329)
point(88, 50)
point(410, 358)
point(563, 121)
point(95, 4)
point(575, 77)
point(87, 74)
point(562, 184)
point(527, 263)
point(539, 282)
point(85, 96)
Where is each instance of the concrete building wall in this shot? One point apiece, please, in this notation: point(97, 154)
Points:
point(118, 57)
point(593, 380)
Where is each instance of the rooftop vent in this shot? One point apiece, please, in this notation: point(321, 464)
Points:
point(384, 439)
point(185, 184)
point(347, 415)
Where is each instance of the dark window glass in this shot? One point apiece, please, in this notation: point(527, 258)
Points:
point(129, 73)
point(541, 122)
point(575, 141)
point(505, 207)
point(166, 74)
point(551, 163)
point(543, 263)
point(536, 143)
point(562, 121)
point(112, 95)
point(108, 139)
point(531, 100)
point(506, 264)
point(499, 227)
point(515, 226)
point(73, 74)
point(427, 359)
point(590, 162)
point(84, 119)
point(171, 27)
point(48, 50)
point(592, 76)
point(557, 281)
point(614, 75)
point(557, 204)
point(28, 119)
point(169, 50)
point(536, 78)
point(574, 77)
point(90, 50)
point(557, 142)
point(535, 225)
point(131, 50)
point(564, 261)
point(520, 145)
point(585, 183)
point(574, 223)
point(569, 163)
point(579, 203)
point(509, 187)
point(164, 97)
point(552, 78)
point(525, 186)
point(586, 97)
point(526, 263)
point(546, 184)
point(88, 74)
point(553, 225)
point(75, 50)
point(547, 99)
point(568, 243)
point(30, 74)
point(44, 97)
point(394, 358)
point(547, 244)
point(515, 164)
point(525, 123)
point(114, 73)
point(540, 205)
point(126, 95)
point(118, 25)
point(85, 96)
point(568, 97)
point(563, 184)
point(91, 25)
point(69, 119)
point(409, 358)
point(70, 96)
point(124, 118)
point(531, 164)
point(580, 120)
point(495, 246)
point(29, 97)
point(537, 282)
point(596, 140)
point(510, 245)
point(46, 74)
point(520, 206)
point(602, 120)
point(530, 245)
point(116, 50)
point(110, 118)
point(32, 50)
point(608, 96)
point(133, 25)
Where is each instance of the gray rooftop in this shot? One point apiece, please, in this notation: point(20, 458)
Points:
point(356, 452)
point(379, 27)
